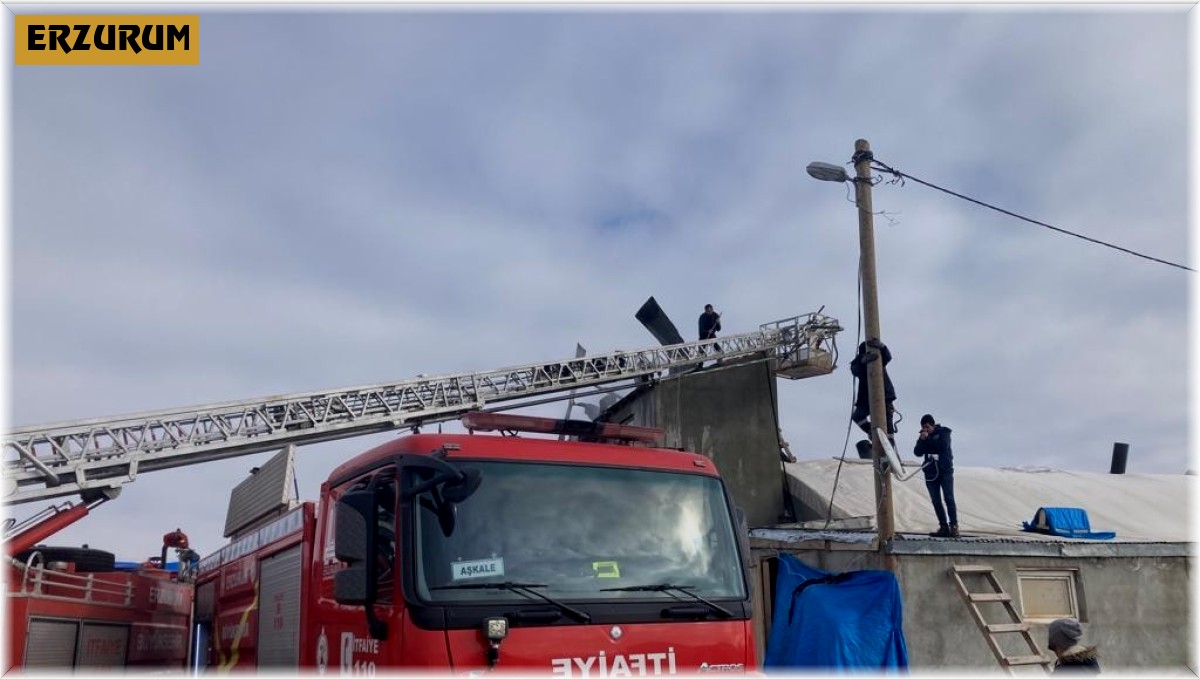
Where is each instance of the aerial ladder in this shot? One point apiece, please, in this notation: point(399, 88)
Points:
point(94, 458)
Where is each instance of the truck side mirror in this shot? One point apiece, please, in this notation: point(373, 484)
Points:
point(457, 490)
point(350, 585)
point(444, 486)
point(455, 483)
point(352, 542)
point(356, 518)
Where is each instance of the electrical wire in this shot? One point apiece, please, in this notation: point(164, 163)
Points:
point(883, 167)
point(853, 390)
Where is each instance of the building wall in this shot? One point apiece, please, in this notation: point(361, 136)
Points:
point(1135, 608)
point(727, 414)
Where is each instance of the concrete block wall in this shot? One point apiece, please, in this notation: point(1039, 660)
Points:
point(727, 414)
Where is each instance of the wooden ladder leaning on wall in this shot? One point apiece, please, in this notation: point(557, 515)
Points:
point(1014, 624)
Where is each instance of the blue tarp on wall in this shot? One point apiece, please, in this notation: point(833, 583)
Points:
point(849, 622)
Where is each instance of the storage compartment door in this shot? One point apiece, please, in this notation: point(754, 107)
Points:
point(102, 645)
point(51, 643)
point(279, 610)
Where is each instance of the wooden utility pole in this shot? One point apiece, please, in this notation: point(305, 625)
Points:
point(870, 293)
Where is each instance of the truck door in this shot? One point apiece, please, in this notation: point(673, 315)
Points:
point(343, 638)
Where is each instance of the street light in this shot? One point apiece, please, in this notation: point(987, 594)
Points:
point(827, 172)
point(866, 246)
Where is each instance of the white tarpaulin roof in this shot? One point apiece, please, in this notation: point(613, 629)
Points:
point(994, 502)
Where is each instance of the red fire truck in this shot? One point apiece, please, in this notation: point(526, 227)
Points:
point(69, 607)
point(437, 551)
point(465, 552)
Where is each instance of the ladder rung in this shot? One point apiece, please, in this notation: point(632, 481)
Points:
point(1026, 660)
point(1008, 627)
point(990, 596)
point(973, 569)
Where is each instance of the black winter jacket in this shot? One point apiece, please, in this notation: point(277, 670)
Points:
point(938, 443)
point(709, 325)
point(862, 403)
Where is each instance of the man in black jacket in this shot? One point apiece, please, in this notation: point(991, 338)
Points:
point(933, 444)
point(862, 402)
point(710, 323)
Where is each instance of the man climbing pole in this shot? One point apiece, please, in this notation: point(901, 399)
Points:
point(862, 402)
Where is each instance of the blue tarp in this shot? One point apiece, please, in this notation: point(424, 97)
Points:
point(136, 565)
point(849, 623)
point(1067, 522)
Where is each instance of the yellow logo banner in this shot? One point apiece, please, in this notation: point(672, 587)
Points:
point(107, 40)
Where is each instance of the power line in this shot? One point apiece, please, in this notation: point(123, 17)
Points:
point(882, 167)
point(853, 391)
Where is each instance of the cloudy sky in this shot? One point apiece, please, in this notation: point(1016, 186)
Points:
point(353, 197)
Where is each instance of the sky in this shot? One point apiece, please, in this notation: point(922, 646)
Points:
point(346, 197)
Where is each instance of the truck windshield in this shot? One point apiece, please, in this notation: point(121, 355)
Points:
point(582, 533)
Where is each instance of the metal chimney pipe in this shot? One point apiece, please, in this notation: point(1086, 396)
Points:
point(1119, 457)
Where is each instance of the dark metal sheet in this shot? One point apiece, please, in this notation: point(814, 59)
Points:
point(656, 321)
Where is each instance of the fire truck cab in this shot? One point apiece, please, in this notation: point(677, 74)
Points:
point(463, 552)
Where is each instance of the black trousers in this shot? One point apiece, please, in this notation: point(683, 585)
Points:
point(942, 487)
point(862, 417)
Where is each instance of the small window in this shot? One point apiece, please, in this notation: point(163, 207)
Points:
point(1047, 595)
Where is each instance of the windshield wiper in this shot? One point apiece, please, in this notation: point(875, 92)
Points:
point(525, 588)
point(671, 589)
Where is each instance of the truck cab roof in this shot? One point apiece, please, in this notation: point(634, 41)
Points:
point(530, 449)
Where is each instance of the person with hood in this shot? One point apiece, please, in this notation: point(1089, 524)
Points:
point(862, 402)
point(1062, 637)
point(933, 444)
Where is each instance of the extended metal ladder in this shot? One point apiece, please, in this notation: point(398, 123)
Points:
point(61, 459)
point(1013, 625)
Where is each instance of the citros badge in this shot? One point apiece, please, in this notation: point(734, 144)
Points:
point(107, 40)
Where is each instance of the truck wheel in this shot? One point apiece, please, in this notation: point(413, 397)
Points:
point(86, 560)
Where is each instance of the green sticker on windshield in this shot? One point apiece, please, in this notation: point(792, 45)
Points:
point(606, 569)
